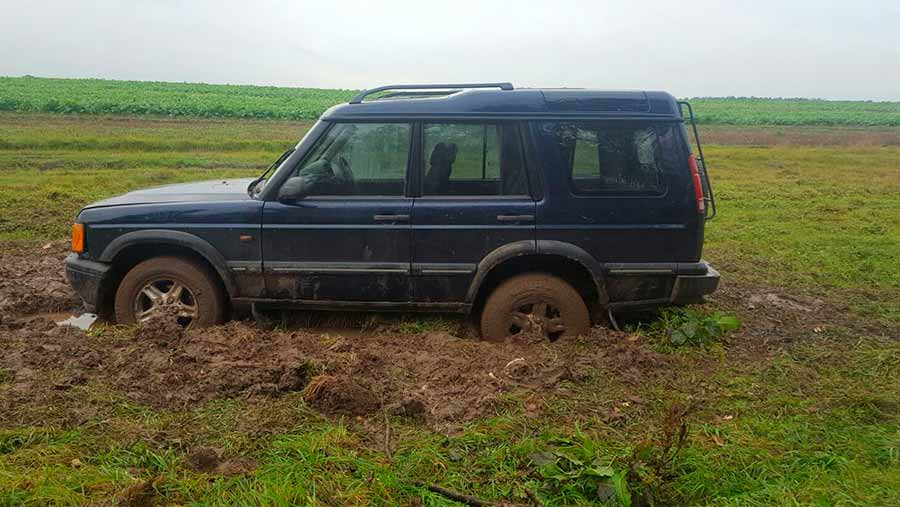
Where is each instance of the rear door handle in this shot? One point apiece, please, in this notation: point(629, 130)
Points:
point(391, 218)
point(515, 218)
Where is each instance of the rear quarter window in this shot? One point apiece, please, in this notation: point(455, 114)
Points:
point(608, 158)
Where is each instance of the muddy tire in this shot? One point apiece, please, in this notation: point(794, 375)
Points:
point(534, 303)
point(181, 287)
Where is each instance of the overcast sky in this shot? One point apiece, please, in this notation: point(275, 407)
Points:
point(786, 48)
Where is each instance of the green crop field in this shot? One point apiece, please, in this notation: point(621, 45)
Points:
point(97, 96)
point(752, 111)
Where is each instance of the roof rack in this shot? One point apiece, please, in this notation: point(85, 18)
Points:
point(365, 93)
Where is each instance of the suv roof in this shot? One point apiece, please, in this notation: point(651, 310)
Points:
point(501, 100)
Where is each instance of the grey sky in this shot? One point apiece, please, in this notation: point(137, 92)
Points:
point(808, 48)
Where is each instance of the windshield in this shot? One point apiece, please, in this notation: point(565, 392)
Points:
point(256, 186)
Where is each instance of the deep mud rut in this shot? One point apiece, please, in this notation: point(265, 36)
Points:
point(434, 377)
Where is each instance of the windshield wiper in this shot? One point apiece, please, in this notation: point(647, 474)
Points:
point(265, 173)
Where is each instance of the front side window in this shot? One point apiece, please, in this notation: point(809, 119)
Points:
point(365, 159)
point(472, 159)
point(607, 158)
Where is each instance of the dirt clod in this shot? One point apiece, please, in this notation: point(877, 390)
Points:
point(410, 407)
point(140, 494)
point(162, 329)
point(340, 396)
point(295, 378)
point(207, 460)
point(202, 459)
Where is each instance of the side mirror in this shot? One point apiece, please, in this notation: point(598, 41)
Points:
point(294, 189)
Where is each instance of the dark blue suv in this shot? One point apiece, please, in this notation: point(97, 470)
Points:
point(531, 209)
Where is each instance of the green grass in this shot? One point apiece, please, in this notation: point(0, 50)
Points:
point(37, 205)
point(814, 422)
point(816, 432)
point(43, 132)
point(50, 166)
point(112, 97)
point(823, 219)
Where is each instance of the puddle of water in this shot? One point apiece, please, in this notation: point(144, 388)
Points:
point(82, 321)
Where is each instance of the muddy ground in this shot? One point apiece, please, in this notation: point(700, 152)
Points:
point(437, 378)
point(33, 281)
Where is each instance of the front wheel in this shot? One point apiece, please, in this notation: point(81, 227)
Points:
point(170, 285)
point(534, 303)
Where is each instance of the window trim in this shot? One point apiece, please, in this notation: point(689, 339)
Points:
point(516, 125)
point(409, 158)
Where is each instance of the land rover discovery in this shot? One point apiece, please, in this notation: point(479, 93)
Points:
point(533, 210)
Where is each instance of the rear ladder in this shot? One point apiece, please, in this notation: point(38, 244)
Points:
point(708, 197)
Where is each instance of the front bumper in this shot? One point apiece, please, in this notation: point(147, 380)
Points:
point(691, 288)
point(86, 277)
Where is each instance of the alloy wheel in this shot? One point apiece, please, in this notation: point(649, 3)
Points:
point(540, 317)
point(165, 296)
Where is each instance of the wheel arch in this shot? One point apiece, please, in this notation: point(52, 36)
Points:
point(126, 251)
point(565, 260)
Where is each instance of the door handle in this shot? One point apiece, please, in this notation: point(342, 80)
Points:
point(515, 218)
point(391, 218)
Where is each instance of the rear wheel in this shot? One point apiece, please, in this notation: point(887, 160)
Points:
point(534, 303)
point(170, 286)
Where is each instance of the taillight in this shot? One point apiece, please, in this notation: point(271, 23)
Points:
point(698, 185)
point(78, 238)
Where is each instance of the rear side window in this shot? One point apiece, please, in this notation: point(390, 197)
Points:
point(472, 159)
point(602, 159)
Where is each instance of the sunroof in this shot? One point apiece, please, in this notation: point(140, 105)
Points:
point(587, 100)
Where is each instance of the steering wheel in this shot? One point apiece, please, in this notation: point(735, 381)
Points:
point(342, 170)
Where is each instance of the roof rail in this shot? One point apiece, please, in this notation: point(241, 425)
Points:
point(365, 93)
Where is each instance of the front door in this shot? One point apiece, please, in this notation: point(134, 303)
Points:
point(474, 199)
point(348, 239)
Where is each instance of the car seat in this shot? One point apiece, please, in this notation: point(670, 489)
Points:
point(441, 165)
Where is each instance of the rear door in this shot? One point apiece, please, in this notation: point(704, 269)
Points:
point(349, 239)
point(617, 189)
point(473, 198)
